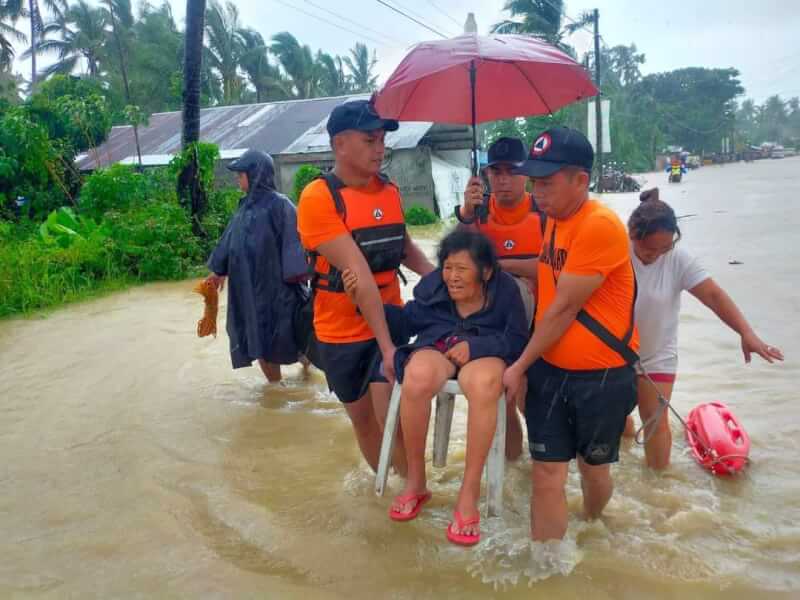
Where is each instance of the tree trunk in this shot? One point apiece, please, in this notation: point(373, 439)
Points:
point(124, 70)
point(192, 63)
point(189, 189)
point(33, 10)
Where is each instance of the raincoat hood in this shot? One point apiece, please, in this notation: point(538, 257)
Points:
point(259, 167)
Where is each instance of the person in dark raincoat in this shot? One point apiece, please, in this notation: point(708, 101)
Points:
point(261, 255)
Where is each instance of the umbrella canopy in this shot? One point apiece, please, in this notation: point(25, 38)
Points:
point(511, 75)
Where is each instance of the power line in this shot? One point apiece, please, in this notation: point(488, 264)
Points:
point(342, 27)
point(445, 13)
point(420, 16)
point(409, 17)
point(357, 24)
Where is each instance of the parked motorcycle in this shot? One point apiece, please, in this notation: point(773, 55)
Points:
point(614, 179)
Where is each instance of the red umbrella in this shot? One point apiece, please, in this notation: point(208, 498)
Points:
point(474, 79)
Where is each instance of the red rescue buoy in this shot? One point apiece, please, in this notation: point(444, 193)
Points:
point(718, 441)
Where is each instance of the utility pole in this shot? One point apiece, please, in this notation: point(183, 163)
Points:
point(598, 110)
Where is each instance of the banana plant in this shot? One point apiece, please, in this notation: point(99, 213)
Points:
point(63, 227)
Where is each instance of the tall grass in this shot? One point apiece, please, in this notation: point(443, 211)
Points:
point(34, 276)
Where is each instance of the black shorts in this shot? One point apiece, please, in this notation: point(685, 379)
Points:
point(570, 413)
point(350, 368)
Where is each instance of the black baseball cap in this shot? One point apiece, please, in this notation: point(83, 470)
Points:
point(359, 115)
point(507, 150)
point(555, 149)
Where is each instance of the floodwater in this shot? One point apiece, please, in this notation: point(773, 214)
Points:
point(136, 463)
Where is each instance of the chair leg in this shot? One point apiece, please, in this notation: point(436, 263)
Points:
point(387, 445)
point(441, 428)
point(496, 462)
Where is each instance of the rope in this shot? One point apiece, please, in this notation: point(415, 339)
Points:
point(643, 435)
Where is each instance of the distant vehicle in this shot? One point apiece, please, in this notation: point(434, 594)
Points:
point(615, 179)
point(693, 161)
point(778, 152)
point(789, 152)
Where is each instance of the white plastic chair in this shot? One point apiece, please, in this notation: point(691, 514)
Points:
point(445, 403)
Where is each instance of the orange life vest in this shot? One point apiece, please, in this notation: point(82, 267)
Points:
point(521, 240)
point(378, 229)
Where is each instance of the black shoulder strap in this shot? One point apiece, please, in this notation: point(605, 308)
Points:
point(620, 346)
point(335, 186)
point(542, 217)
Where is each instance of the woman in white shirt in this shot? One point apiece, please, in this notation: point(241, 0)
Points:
point(663, 271)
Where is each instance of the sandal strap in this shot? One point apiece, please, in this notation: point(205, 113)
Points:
point(460, 522)
point(409, 497)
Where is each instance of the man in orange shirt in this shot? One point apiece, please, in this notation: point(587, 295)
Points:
point(352, 218)
point(581, 355)
point(514, 224)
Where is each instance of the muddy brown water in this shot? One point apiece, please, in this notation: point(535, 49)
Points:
point(135, 463)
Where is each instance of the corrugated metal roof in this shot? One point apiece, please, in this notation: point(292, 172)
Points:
point(295, 126)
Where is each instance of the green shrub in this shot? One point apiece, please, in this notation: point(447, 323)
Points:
point(305, 175)
point(419, 215)
point(154, 241)
point(31, 167)
point(121, 187)
point(221, 206)
point(35, 275)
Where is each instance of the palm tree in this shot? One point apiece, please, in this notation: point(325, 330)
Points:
point(297, 62)
point(542, 19)
point(538, 17)
point(57, 7)
point(361, 66)
point(225, 47)
point(155, 66)
point(331, 78)
point(10, 11)
point(121, 17)
point(81, 32)
point(263, 76)
point(189, 189)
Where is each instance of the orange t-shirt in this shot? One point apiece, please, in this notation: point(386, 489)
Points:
point(592, 241)
point(515, 231)
point(509, 216)
point(336, 318)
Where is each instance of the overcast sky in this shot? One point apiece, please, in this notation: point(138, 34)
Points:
point(758, 38)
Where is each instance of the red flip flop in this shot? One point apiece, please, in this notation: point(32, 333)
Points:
point(421, 499)
point(463, 539)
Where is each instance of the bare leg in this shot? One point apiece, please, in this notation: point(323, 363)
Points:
point(380, 394)
point(303, 360)
point(365, 425)
point(658, 448)
point(425, 374)
point(597, 487)
point(513, 425)
point(549, 501)
point(481, 381)
point(630, 428)
point(271, 371)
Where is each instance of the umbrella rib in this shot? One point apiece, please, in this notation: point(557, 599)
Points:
point(533, 85)
point(408, 98)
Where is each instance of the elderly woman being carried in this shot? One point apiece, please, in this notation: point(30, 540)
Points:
point(469, 322)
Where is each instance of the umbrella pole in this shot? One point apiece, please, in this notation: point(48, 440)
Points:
point(481, 211)
point(472, 77)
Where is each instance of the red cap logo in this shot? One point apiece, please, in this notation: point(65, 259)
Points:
point(541, 145)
